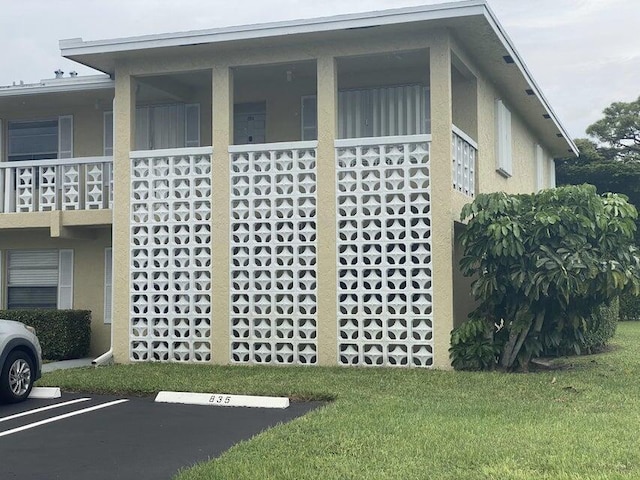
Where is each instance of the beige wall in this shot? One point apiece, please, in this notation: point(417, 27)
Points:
point(464, 103)
point(283, 101)
point(88, 272)
point(87, 111)
point(463, 302)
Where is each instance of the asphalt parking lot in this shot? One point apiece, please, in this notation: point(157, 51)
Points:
point(107, 437)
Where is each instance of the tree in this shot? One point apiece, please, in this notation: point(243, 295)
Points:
point(542, 265)
point(612, 163)
point(619, 130)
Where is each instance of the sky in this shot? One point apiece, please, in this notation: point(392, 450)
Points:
point(584, 54)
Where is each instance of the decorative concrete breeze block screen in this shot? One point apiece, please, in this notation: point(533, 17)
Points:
point(384, 255)
point(171, 258)
point(273, 256)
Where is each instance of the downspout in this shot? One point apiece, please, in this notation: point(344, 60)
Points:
point(107, 357)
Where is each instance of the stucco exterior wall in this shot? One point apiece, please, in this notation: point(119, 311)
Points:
point(88, 273)
point(88, 122)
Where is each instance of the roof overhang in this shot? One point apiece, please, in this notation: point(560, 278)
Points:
point(489, 35)
point(59, 85)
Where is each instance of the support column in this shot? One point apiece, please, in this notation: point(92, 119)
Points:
point(441, 197)
point(222, 137)
point(124, 135)
point(326, 211)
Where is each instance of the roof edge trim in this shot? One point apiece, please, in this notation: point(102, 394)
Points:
point(77, 46)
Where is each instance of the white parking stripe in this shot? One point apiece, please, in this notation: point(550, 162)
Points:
point(43, 409)
point(61, 417)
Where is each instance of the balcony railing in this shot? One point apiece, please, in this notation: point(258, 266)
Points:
point(60, 184)
point(464, 151)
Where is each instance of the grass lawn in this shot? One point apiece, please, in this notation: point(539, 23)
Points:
point(582, 422)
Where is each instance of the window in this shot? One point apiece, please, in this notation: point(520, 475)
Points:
point(503, 140)
point(374, 112)
point(40, 139)
point(39, 279)
point(160, 126)
point(108, 282)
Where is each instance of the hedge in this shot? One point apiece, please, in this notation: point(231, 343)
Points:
point(601, 327)
point(629, 307)
point(63, 334)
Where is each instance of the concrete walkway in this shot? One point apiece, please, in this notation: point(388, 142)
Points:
point(64, 364)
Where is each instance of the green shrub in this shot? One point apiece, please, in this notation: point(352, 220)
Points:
point(63, 334)
point(629, 307)
point(601, 326)
point(473, 346)
point(544, 263)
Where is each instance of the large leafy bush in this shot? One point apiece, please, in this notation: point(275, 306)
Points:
point(543, 264)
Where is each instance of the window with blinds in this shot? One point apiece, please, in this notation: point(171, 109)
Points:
point(40, 139)
point(374, 112)
point(39, 279)
point(160, 126)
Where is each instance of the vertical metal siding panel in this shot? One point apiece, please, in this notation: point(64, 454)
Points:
point(358, 114)
point(384, 120)
point(65, 136)
point(400, 107)
point(375, 107)
point(392, 112)
point(142, 128)
point(192, 125)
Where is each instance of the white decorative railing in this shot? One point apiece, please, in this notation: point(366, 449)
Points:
point(60, 184)
point(273, 253)
point(464, 151)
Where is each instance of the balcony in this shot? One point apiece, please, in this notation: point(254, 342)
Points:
point(59, 184)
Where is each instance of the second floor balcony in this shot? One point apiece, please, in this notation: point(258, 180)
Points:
point(57, 184)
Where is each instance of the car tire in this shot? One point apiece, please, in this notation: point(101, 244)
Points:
point(16, 377)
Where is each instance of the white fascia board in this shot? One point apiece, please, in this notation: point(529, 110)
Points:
point(508, 44)
point(90, 82)
point(76, 46)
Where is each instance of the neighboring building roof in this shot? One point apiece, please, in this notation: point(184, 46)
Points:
point(472, 22)
point(58, 85)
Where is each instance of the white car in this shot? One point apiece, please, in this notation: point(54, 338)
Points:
point(20, 361)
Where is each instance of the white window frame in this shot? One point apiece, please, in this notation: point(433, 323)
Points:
point(504, 153)
point(61, 119)
point(64, 284)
